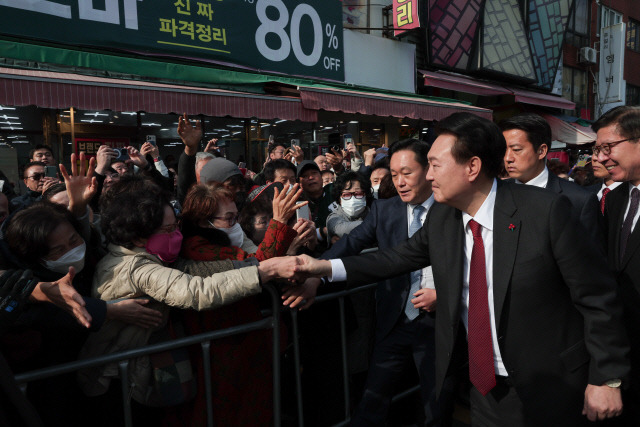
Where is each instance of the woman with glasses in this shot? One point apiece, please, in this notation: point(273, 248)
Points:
point(242, 396)
point(352, 194)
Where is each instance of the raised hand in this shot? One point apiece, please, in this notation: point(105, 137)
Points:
point(335, 159)
point(306, 230)
point(104, 157)
point(189, 134)
point(149, 148)
point(137, 158)
point(369, 156)
point(297, 153)
point(284, 204)
point(81, 186)
point(211, 146)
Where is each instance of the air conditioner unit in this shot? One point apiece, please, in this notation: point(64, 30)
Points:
point(587, 55)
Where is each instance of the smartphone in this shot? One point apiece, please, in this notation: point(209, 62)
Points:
point(242, 165)
point(303, 212)
point(50, 172)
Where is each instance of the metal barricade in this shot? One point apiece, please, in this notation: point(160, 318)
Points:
point(204, 339)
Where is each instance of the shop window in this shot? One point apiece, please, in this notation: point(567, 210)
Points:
point(578, 25)
point(633, 35)
point(633, 95)
point(574, 88)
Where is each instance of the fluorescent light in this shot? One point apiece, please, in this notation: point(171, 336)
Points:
point(95, 114)
point(164, 129)
point(280, 121)
point(151, 124)
point(10, 123)
point(9, 117)
point(6, 108)
point(11, 128)
point(129, 113)
point(92, 121)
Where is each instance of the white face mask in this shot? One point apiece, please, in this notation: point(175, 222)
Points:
point(235, 233)
point(374, 190)
point(353, 207)
point(74, 258)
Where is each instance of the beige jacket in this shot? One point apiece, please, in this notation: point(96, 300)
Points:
point(131, 273)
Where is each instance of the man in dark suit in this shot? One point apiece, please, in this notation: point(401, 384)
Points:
point(404, 326)
point(618, 150)
point(528, 137)
point(516, 276)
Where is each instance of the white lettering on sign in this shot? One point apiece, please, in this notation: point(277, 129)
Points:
point(86, 10)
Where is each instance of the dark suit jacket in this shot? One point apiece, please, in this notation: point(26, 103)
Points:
point(385, 226)
point(585, 205)
point(557, 313)
point(627, 270)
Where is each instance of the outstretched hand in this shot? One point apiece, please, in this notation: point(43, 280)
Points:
point(64, 295)
point(303, 296)
point(133, 311)
point(189, 134)
point(81, 186)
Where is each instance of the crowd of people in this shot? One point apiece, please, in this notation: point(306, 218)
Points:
point(497, 278)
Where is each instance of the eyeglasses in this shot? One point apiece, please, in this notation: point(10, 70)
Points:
point(231, 220)
point(169, 228)
point(357, 195)
point(606, 147)
point(36, 176)
point(261, 220)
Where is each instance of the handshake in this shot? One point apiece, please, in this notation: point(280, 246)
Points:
point(293, 268)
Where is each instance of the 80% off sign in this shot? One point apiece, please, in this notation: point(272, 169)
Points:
point(298, 33)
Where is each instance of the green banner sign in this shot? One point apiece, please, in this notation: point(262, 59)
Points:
point(285, 36)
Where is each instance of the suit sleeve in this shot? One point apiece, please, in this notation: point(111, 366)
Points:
point(361, 237)
point(408, 256)
point(591, 217)
point(593, 292)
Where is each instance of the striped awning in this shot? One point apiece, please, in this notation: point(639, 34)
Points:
point(379, 104)
point(63, 90)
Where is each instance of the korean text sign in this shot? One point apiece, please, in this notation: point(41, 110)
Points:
point(272, 35)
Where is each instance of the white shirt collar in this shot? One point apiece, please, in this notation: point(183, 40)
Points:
point(540, 180)
point(484, 216)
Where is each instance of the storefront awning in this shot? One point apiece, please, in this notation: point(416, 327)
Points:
point(379, 104)
point(63, 90)
point(569, 133)
point(482, 88)
point(462, 84)
point(535, 98)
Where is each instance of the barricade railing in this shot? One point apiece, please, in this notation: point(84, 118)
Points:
point(204, 339)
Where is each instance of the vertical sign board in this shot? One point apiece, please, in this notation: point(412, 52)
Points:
point(611, 87)
point(405, 16)
point(285, 36)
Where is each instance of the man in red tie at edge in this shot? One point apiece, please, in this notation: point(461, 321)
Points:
point(526, 303)
point(618, 150)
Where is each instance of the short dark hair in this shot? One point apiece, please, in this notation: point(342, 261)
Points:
point(39, 147)
point(343, 182)
point(131, 182)
point(626, 118)
point(28, 231)
point(419, 147)
point(132, 215)
point(53, 190)
point(475, 137)
point(533, 125)
point(28, 166)
point(274, 165)
point(275, 145)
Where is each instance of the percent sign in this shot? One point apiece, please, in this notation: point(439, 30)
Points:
point(330, 30)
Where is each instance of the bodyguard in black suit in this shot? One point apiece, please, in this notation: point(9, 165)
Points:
point(518, 277)
point(528, 138)
point(400, 341)
point(618, 150)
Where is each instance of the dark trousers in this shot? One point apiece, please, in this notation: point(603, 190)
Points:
point(500, 407)
point(409, 342)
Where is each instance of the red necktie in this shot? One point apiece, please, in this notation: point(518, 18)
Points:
point(604, 196)
point(481, 369)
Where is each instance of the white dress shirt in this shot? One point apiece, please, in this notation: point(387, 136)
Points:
point(610, 187)
point(635, 218)
point(539, 181)
point(426, 280)
point(484, 217)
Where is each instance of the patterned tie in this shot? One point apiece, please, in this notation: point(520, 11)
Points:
point(416, 276)
point(628, 222)
point(604, 196)
point(481, 369)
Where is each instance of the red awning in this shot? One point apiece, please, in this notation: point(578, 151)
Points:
point(535, 98)
point(462, 84)
point(379, 104)
point(479, 87)
point(63, 90)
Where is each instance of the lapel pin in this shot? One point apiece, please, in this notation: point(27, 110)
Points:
point(512, 227)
